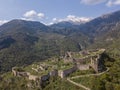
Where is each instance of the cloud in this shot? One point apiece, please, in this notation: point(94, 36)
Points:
point(41, 15)
point(113, 2)
point(32, 14)
point(92, 2)
point(55, 19)
point(72, 18)
point(3, 22)
point(77, 19)
point(108, 3)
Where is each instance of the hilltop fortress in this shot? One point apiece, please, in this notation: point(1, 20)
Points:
point(62, 67)
point(85, 60)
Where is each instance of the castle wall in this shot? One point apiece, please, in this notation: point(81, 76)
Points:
point(33, 77)
point(53, 73)
point(64, 73)
point(95, 62)
point(14, 72)
point(19, 74)
point(83, 67)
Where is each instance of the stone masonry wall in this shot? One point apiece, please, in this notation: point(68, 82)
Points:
point(53, 73)
point(64, 73)
point(95, 62)
point(83, 67)
point(19, 74)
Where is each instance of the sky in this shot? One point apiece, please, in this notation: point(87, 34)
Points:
point(52, 11)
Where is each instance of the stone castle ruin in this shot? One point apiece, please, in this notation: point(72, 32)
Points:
point(83, 61)
point(86, 62)
point(41, 79)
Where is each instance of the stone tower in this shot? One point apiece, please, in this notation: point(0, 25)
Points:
point(95, 62)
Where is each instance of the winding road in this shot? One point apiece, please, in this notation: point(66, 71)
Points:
point(82, 86)
point(79, 85)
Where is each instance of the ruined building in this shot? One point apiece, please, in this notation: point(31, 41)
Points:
point(87, 61)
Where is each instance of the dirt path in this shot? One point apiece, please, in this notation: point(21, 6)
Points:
point(79, 85)
point(90, 74)
point(82, 86)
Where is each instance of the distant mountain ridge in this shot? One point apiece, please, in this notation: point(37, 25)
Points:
point(101, 25)
point(19, 25)
point(24, 42)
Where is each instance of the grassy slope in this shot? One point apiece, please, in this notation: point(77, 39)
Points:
point(9, 82)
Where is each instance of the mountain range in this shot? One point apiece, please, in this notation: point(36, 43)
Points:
point(24, 42)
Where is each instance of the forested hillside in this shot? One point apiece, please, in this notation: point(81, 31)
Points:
point(24, 42)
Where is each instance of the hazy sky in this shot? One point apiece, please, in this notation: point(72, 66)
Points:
point(48, 11)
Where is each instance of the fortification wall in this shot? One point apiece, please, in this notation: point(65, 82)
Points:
point(19, 74)
point(83, 67)
point(53, 73)
point(33, 77)
point(95, 62)
point(64, 73)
